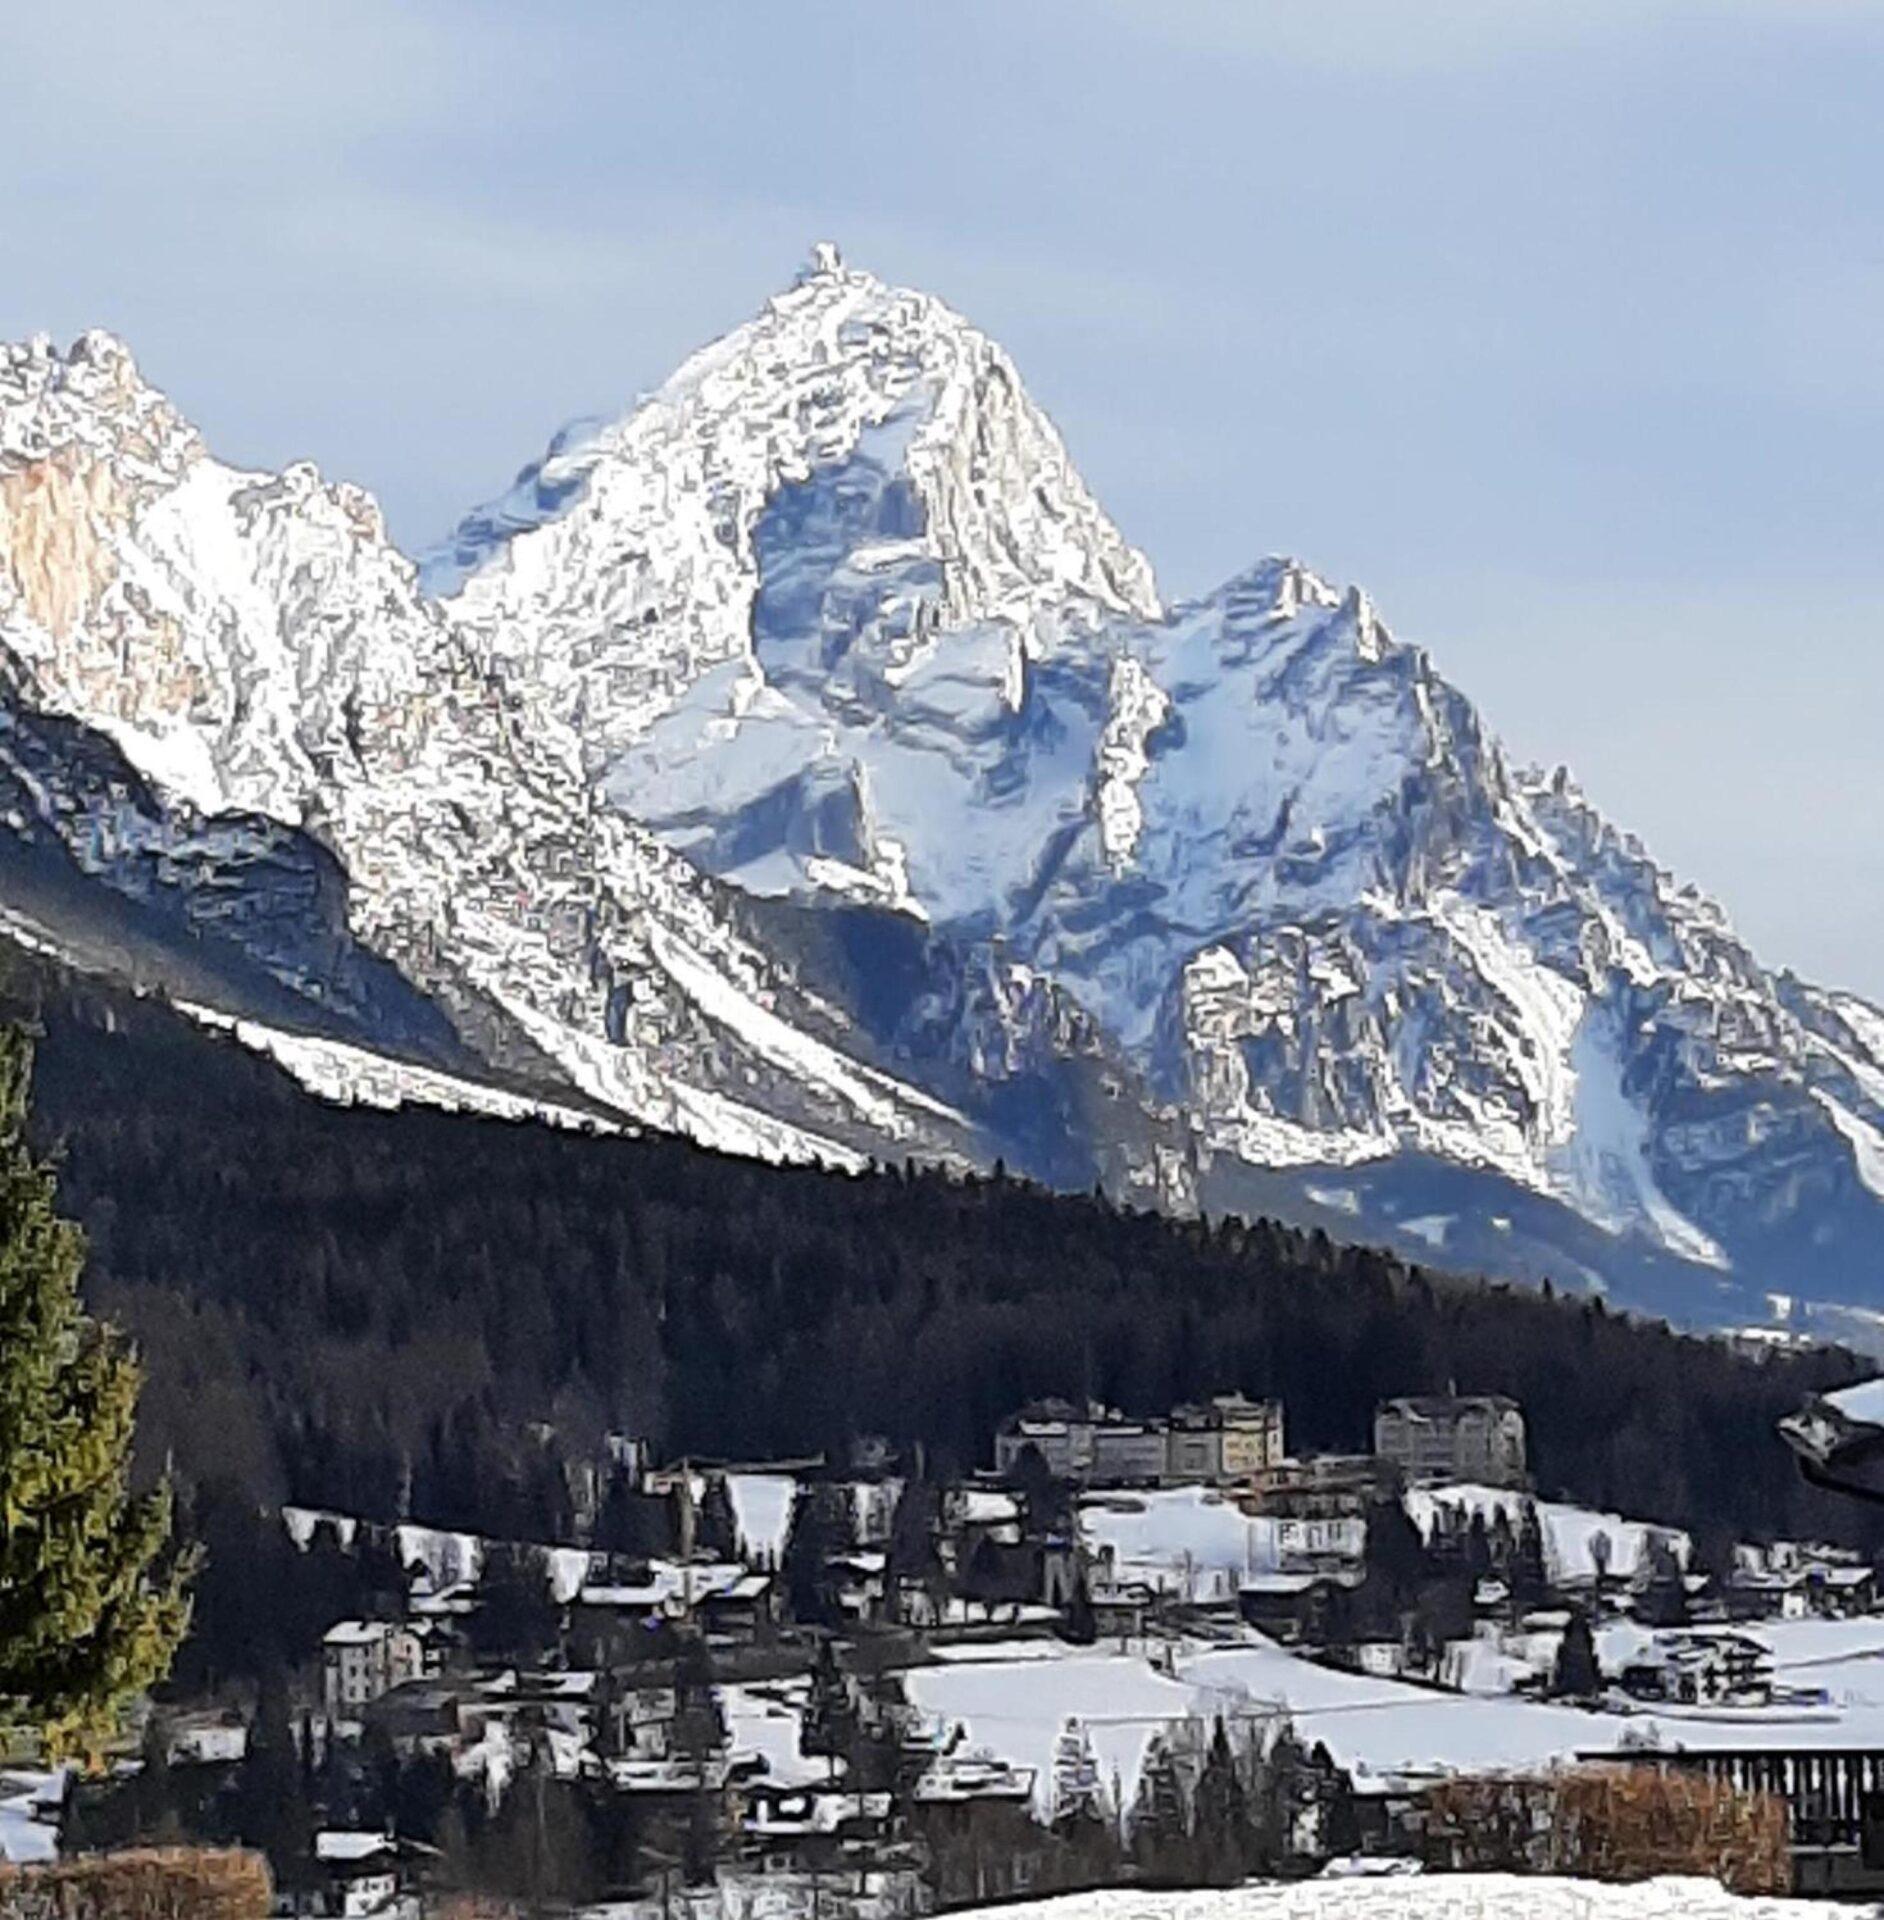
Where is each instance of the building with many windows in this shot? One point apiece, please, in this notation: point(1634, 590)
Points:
point(1476, 1437)
point(1224, 1439)
point(362, 1659)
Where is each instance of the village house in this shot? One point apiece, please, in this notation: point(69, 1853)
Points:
point(427, 1716)
point(966, 1775)
point(1319, 1507)
point(1694, 1669)
point(1291, 1607)
point(1478, 1438)
point(362, 1659)
point(1790, 1581)
point(1226, 1438)
point(786, 1825)
point(356, 1876)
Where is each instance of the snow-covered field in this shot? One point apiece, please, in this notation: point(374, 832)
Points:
point(1490, 1896)
point(1195, 1540)
point(1014, 1700)
point(1570, 1532)
point(1187, 1539)
point(24, 1836)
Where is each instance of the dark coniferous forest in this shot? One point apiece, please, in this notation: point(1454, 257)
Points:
point(428, 1315)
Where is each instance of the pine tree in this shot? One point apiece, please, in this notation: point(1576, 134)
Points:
point(1663, 1597)
point(1080, 1627)
point(699, 1739)
point(1077, 1794)
point(821, 1529)
point(517, 1616)
point(92, 1602)
point(716, 1526)
point(1047, 1510)
point(1161, 1830)
point(632, 1525)
point(1530, 1581)
point(1575, 1674)
point(153, 1790)
point(829, 1727)
point(1221, 1836)
point(271, 1802)
point(914, 1562)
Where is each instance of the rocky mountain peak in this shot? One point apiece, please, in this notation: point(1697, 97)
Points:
point(802, 759)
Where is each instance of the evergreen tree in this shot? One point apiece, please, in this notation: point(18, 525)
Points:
point(1078, 1796)
point(516, 1618)
point(716, 1525)
point(377, 1578)
point(1478, 1552)
point(821, 1528)
point(630, 1524)
point(1574, 1674)
point(700, 1735)
point(92, 1603)
point(1080, 1628)
point(1293, 1782)
point(1161, 1828)
point(986, 1579)
point(1601, 1552)
point(538, 1847)
point(1046, 1503)
point(153, 1790)
point(272, 1811)
point(1663, 1599)
point(913, 1562)
point(830, 1721)
point(1530, 1582)
point(1220, 1833)
point(1394, 1558)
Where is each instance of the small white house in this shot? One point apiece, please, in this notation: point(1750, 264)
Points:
point(360, 1872)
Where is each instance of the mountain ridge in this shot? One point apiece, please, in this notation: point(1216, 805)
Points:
point(803, 761)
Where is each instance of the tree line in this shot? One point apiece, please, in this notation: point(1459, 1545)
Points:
point(416, 1314)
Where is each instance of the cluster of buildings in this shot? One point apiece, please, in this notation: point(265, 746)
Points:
point(1229, 1440)
point(614, 1695)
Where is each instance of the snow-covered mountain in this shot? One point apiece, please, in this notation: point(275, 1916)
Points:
point(804, 761)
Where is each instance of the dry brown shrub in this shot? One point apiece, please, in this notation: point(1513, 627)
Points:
point(155, 1883)
point(1611, 1823)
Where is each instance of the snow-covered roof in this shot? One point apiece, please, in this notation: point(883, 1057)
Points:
point(341, 1844)
point(356, 1633)
point(786, 1811)
point(974, 1776)
point(668, 1581)
point(1281, 1583)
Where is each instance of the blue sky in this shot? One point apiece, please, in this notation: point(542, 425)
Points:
point(1557, 326)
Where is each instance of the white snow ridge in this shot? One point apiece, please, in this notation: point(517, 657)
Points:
point(803, 761)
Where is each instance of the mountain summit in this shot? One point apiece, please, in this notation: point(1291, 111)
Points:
point(805, 761)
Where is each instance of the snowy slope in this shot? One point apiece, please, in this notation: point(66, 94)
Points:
point(802, 760)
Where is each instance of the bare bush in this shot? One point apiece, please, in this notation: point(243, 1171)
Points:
point(156, 1883)
point(1613, 1823)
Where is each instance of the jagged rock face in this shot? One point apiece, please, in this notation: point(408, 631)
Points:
point(803, 760)
point(253, 646)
